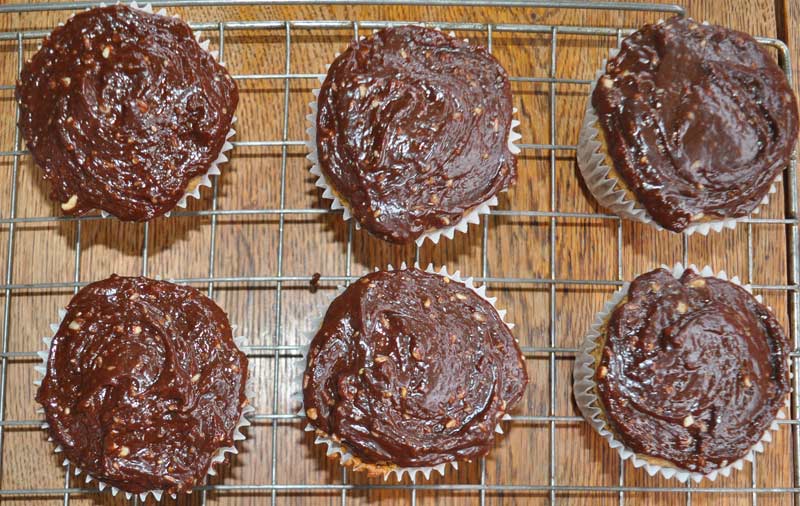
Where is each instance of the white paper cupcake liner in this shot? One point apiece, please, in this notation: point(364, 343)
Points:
point(335, 448)
point(590, 405)
point(213, 170)
point(216, 459)
point(606, 189)
point(471, 216)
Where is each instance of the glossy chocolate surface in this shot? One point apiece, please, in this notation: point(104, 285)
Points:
point(412, 130)
point(412, 369)
point(698, 120)
point(124, 111)
point(693, 371)
point(144, 383)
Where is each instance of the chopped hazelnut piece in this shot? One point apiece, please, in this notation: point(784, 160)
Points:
point(70, 203)
point(697, 283)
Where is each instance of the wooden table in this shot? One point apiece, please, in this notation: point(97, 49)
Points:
point(245, 246)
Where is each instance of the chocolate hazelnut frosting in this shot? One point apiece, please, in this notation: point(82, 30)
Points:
point(411, 369)
point(412, 130)
point(124, 112)
point(698, 121)
point(693, 370)
point(144, 384)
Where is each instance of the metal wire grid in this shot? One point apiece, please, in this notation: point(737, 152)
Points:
point(279, 351)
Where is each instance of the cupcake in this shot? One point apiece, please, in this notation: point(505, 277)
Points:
point(410, 370)
point(686, 372)
point(688, 127)
point(124, 111)
point(412, 133)
point(144, 387)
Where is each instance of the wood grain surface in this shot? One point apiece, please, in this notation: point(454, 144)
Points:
point(277, 314)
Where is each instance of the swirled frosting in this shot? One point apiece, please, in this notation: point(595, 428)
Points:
point(144, 383)
point(698, 120)
point(411, 369)
point(693, 370)
point(124, 111)
point(412, 130)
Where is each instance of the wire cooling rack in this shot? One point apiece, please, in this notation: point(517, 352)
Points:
point(268, 490)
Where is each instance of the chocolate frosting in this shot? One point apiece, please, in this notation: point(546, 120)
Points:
point(144, 383)
point(412, 369)
point(693, 371)
point(412, 130)
point(698, 120)
point(124, 111)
